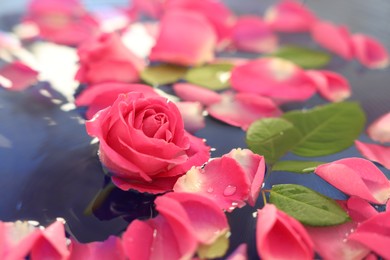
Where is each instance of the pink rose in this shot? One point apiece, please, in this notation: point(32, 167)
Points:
point(143, 143)
point(107, 59)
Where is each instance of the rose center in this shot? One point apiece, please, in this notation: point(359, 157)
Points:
point(156, 126)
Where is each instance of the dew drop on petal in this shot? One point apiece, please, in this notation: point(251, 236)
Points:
point(229, 190)
point(210, 190)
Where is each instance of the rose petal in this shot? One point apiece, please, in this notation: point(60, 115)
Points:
point(17, 76)
point(191, 92)
point(379, 130)
point(357, 176)
point(289, 16)
point(174, 43)
point(374, 234)
point(254, 168)
point(240, 253)
point(105, 58)
point(250, 33)
point(333, 242)
point(370, 52)
point(279, 236)
point(108, 249)
point(216, 13)
point(154, 239)
point(192, 113)
point(332, 86)
point(242, 109)
point(52, 243)
point(335, 38)
point(360, 210)
point(100, 96)
point(200, 213)
point(375, 152)
point(273, 77)
point(222, 179)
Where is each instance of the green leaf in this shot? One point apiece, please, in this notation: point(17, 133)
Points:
point(307, 206)
point(272, 138)
point(163, 74)
point(302, 56)
point(326, 129)
point(296, 166)
point(212, 76)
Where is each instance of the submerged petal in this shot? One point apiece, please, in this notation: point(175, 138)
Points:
point(192, 113)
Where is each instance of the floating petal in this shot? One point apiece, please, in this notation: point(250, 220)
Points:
point(375, 152)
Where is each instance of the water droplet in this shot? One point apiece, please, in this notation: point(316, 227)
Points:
point(229, 190)
point(254, 214)
point(210, 190)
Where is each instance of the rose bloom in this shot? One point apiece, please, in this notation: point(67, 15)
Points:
point(143, 143)
point(106, 59)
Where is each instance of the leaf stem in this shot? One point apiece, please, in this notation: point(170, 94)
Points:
point(264, 197)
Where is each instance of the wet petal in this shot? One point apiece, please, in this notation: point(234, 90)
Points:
point(250, 33)
point(174, 43)
point(192, 113)
point(358, 177)
point(289, 16)
point(279, 236)
point(335, 38)
point(52, 243)
point(242, 109)
point(273, 77)
point(370, 52)
point(222, 179)
point(17, 76)
point(379, 130)
point(374, 234)
point(201, 215)
point(191, 92)
point(375, 152)
point(254, 168)
point(331, 85)
point(333, 243)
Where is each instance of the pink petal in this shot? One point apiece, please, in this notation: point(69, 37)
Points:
point(52, 243)
point(191, 92)
point(358, 177)
point(360, 210)
point(289, 16)
point(370, 52)
point(17, 76)
point(192, 113)
point(279, 236)
point(240, 253)
point(374, 234)
point(153, 239)
point(106, 59)
point(216, 13)
point(17, 239)
point(333, 242)
point(100, 96)
point(273, 77)
point(331, 85)
point(251, 33)
point(108, 249)
point(335, 38)
point(254, 168)
point(222, 180)
point(379, 130)
point(174, 43)
point(375, 152)
point(201, 214)
point(242, 109)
